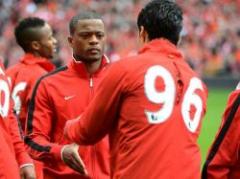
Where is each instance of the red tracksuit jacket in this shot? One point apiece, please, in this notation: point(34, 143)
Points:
point(9, 134)
point(223, 160)
point(151, 105)
point(14, 129)
point(58, 97)
point(23, 77)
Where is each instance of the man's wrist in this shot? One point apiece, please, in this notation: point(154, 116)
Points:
point(56, 151)
point(26, 165)
point(61, 154)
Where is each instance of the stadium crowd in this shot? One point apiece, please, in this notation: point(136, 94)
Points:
point(210, 38)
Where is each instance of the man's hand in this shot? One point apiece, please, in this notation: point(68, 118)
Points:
point(27, 172)
point(71, 158)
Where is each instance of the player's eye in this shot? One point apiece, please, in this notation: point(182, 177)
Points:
point(100, 35)
point(84, 35)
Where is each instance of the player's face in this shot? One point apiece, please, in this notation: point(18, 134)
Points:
point(47, 43)
point(88, 40)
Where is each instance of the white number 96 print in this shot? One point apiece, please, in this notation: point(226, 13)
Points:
point(167, 98)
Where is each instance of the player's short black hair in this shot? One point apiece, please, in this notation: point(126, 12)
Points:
point(82, 16)
point(26, 31)
point(161, 19)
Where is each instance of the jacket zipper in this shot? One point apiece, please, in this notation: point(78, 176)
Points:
point(93, 153)
point(91, 84)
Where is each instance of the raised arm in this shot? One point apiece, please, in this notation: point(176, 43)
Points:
point(101, 114)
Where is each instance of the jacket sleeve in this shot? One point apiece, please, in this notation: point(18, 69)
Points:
point(39, 126)
point(100, 115)
point(22, 156)
point(224, 157)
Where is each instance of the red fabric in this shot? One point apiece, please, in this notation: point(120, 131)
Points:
point(62, 96)
point(18, 143)
point(140, 149)
point(28, 70)
point(19, 148)
point(8, 165)
point(226, 162)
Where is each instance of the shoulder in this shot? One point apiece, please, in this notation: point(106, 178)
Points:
point(44, 81)
point(233, 97)
point(52, 75)
point(14, 69)
point(24, 71)
point(117, 71)
point(123, 64)
point(238, 86)
point(236, 92)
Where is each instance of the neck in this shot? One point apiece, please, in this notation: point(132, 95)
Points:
point(36, 54)
point(93, 66)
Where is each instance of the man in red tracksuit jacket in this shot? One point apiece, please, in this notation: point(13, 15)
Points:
point(151, 105)
point(10, 140)
point(35, 36)
point(223, 160)
point(64, 94)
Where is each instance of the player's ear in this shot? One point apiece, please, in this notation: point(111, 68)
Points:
point(143, 35)
point(70, 40)
point(35, 45)
point(179, 40)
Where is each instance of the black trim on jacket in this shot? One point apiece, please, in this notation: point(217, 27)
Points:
point(31, 108)
point(220, 136)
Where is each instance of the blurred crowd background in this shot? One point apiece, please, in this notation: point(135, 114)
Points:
point(210, 37)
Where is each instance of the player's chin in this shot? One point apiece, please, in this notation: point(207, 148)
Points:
point(50, 56)
point(94, 57)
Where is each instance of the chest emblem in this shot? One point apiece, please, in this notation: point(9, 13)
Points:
point(66, 98)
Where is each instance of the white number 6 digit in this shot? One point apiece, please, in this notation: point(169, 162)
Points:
point(191, 98)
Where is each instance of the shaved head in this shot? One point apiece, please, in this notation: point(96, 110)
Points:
point(28, 30)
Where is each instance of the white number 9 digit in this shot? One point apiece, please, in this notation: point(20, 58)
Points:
point(5, 94)
point(165, 97)
point(192, 99)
